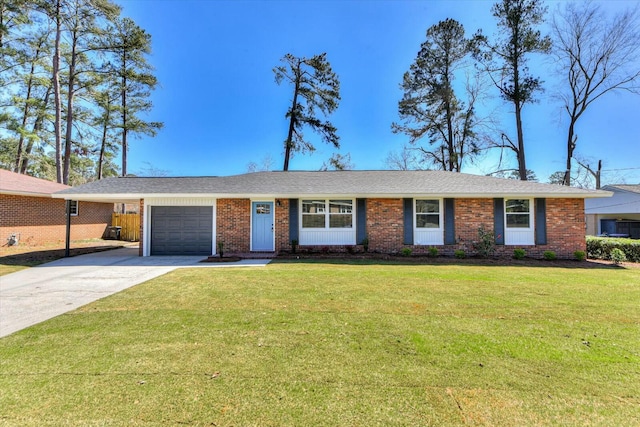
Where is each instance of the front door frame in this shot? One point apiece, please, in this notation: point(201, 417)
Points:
point(273, 226)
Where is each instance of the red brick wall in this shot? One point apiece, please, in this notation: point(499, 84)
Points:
point(385, 226)
point(41, 220)
point(282, 225)
point(566, 227)
point(233, 224)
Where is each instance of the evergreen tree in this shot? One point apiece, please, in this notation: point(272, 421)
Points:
point(315, 86)
point(430, 107)
point(506, 60)
point(129, 45)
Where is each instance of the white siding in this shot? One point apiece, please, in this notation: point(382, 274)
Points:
point(519, 237)
point(621, 203)
point(426, 236)
point(328, 236)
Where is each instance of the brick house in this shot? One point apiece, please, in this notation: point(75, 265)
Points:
point(340, 210)
point(28, 212)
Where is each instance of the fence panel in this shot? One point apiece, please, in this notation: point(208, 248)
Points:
point(130, 224)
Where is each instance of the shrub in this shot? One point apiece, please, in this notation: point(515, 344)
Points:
point(601, 247)
point(221, 248)
point(617, 256)
point(365, 244)
point(350, 249)
point(433, 252)
point(294, 246)
point(549, 255)
point(406, 251)
point(580, 255)
point(459, 253)
point(519, 253)
point(486, 244)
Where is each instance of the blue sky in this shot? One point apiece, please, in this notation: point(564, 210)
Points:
point(222, 108)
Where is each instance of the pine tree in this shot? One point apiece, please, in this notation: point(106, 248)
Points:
point(506, 60)
point(315, 86)
point(430, 107)
point(129, 45)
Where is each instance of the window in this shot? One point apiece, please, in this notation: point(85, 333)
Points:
point(313, 215)
point(518, 213)
point(340, 213)
point(334, 213)
point(427, 213)
point(263, 208)
point(73, 207)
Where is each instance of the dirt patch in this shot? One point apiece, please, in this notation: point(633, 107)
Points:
point(34, 255)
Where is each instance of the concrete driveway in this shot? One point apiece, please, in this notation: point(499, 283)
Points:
point(36, 294)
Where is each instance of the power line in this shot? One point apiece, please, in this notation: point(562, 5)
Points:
point(622, 169)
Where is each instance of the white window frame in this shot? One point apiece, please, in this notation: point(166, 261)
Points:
point(74, 207)
point(425, 235)
point(327, 235)
point(520, 236)
point(326, 212)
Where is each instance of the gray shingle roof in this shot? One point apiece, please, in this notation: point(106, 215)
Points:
point(624, 187)
point(330, 183)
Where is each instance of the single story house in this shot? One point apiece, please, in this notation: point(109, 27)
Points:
point(615, 216)
point(336, 210)
point(33, 217)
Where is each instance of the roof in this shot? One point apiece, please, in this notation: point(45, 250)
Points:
point(625, 201)
point(623, 187)
point(25, 185)
point(295, 184)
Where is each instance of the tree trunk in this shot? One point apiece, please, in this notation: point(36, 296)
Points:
point(37, 127)
point(522, 166)
point(124, 120)
point(103, 145)
point(70, 95)
point(56, 92)
point(294, 106)
point(571, 145)
point(25, 116)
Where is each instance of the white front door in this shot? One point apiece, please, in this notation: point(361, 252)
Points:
point(262, 226)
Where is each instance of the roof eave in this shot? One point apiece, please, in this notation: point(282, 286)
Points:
point(26, 193)
point(135, 197)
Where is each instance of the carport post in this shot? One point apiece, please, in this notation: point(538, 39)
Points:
point(68, 235)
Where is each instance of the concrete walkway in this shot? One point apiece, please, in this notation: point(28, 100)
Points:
point(39, 293)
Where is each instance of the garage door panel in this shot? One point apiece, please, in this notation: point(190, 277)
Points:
point(181, 230)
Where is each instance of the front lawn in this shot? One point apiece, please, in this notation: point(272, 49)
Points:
point(318, 344)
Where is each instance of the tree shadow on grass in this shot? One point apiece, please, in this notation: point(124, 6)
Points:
point(31, 259)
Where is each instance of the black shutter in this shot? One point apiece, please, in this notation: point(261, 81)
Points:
point(541, 221)
point(498, 220)
point(449, 222)
point(361, 220)
point(293, 220)
point(408, 221)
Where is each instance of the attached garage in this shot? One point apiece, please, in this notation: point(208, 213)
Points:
point(181, 230)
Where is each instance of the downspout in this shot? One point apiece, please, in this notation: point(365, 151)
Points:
point(68, 234)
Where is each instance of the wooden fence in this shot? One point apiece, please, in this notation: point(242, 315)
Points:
point(130, 224)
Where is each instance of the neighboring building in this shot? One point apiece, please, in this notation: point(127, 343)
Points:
point(266, 211)
point(615, 216)
point(28, 212)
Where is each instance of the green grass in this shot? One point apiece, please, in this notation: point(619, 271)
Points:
point(313, 344)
